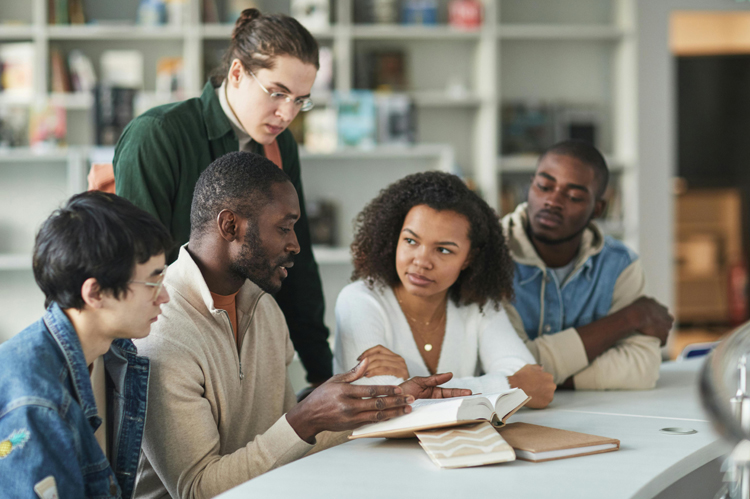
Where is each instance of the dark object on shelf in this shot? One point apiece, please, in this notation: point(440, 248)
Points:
point(321, 215)
point(381, 70)
point(419, 12)
point(526, 128)
point(577, 123)
point(114, 110)
point(376, 11)
point(531, 128)
point(397, 120)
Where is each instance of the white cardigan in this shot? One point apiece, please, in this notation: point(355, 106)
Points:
point(479, 348)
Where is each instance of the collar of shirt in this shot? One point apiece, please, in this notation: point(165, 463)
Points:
point(244, 138)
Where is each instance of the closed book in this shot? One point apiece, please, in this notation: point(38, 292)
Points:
point(541, 443)
point(429, 414)
point(465, 446)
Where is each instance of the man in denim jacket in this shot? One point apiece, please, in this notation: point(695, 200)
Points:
point(579, 303)
point(99, 261)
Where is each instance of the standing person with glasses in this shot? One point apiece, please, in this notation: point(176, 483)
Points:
point(263, 83)
point(73, 391)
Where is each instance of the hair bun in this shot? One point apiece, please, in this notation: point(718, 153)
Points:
point(246, 17)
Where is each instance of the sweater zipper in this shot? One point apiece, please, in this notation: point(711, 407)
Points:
point(234, 338)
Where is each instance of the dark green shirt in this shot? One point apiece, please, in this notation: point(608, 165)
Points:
point(157, 163)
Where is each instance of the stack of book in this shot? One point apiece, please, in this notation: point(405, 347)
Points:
point(472, 431)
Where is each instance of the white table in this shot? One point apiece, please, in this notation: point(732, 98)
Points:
point(648, 462)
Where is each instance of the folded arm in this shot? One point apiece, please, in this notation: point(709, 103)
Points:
point(608, 353)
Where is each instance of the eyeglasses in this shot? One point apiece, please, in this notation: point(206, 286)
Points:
point(156, 285)
point(301, 104)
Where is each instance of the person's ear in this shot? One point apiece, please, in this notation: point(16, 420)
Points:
point(599, 206)
point(236, 73)
point(472, 254)
point(228, 224)
point(91, 293)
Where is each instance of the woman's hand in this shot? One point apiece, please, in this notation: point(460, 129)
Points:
point(383, 362)
point(537, 384)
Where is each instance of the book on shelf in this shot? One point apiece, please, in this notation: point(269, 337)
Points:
point(424, 12)
point(531, 127)
point(210, 12)
point(321, 133)
point(471, 445)
point(81, 69)
point(355, 118)
point(376, 11)
point(60, 78)
point(383, 70)
point(17, 69)
point(429, 414)
point(541, 443)
point(397, 122)
point(114, 110)
point(47, 126)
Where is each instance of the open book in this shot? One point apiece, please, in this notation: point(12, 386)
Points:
point(428, 414)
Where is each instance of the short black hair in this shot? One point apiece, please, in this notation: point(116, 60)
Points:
point(489, 276)
point(239, 181)
point(586, 154)
point(99, 235)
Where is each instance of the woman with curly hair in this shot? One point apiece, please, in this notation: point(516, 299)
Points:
point(431, 270)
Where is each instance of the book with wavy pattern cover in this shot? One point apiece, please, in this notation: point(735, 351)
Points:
point(465, 446)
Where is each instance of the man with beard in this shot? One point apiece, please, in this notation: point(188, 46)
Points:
point(221, 408)
point(579, 303)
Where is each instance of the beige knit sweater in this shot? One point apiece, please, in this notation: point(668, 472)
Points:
point(216, 416)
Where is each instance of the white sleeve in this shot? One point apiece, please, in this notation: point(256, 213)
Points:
point(361, 323)
point(501, 354)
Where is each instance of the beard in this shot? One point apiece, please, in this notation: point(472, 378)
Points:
point(552, 242)
point(253, 263)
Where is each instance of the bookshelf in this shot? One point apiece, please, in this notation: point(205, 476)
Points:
point(579, 52)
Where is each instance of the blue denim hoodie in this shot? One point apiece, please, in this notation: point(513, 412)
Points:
point(548, 306)
point(48, 415)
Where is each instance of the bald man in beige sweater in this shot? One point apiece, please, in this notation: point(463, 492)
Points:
point(221, 409)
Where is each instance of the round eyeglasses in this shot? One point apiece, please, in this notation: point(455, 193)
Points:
point(157, 285)
point(302, 104)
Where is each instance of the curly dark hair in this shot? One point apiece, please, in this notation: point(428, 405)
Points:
point(489, 276)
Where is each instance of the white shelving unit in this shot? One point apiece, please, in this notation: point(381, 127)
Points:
point(572, 51)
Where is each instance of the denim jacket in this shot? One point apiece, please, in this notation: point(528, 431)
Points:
point(606, 277)
point(48, 415)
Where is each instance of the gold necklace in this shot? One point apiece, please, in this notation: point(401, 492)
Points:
point(415, 327)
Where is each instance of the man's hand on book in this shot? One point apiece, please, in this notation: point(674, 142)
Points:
point(337, 405)
point(537, 384)
point(383, 362)
point(426, 387)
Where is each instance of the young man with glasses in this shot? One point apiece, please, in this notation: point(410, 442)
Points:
point(73, 392)
point(264, 81)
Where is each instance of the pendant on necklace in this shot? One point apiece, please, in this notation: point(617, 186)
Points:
point(427, 347)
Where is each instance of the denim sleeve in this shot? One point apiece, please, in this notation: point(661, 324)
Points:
point(35, 443)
